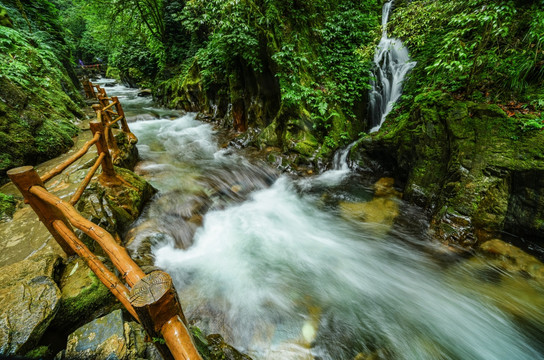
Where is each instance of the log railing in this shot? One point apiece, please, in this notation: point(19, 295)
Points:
point(150, 299)
point(111, 112)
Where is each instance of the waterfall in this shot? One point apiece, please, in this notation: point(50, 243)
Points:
point(392, 63)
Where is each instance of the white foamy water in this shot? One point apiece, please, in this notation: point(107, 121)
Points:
point(283, 276)
point(260, 268)
point(391, 64)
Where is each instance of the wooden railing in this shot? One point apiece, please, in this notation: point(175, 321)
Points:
point(151, 299)
point(112, 113)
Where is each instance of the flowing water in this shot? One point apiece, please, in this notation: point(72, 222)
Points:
point(288, 268)
point(391, 64)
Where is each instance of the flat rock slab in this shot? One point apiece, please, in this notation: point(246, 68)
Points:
point(29, 300)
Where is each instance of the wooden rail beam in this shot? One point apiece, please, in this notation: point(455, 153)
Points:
point(118, 254)
point(156, 302)
point(107, 278)
point(108, 176)
point(25, 178)
point(61, 167)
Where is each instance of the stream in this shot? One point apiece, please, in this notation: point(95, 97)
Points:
point(321, 267)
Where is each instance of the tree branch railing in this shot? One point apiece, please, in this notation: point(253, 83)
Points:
point(151, 299)
point(111, 113)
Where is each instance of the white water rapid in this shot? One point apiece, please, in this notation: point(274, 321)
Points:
point(285, 269)
point(391, 64)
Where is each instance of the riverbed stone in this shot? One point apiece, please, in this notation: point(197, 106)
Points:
point(382, 209)
point(109, 337)
point(513, 259)
point(29, 300)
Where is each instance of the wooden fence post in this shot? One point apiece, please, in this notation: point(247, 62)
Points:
point(108, 173)
point(156, 302)
point(102, 116)
point(124, 125)
point(26, 177)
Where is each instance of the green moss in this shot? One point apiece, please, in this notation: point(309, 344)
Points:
point(113, 73)
point(41, 352)
point(7, 204)
point(94, 295)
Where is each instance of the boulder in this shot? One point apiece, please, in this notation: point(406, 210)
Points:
point(473, 168)
point(29, 300)
point(115, 207)
point(110, 337)
point(513, 259)
point(82, 295)
point(145, 92)
point(382, 209)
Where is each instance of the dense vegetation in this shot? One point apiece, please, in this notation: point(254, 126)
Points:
point(476, 50)
point(288, 66)
point(38, 87)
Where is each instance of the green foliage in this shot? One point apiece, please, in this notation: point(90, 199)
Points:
point(467, 45)
point(36, 92)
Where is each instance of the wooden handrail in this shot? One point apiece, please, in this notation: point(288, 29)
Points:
point(109, 106)
point(107, 278)
point(116, 120)
point(60, 168)
point(160, 313)
point(157, 308)
point(130, 272)
point(77, 195)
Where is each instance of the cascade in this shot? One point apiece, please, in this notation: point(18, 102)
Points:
point(392, 63)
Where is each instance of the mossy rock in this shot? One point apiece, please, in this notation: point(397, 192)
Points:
point(82, 296)
point(7, 206)
point(115, 207)
point(466, 163)
point(214, 347)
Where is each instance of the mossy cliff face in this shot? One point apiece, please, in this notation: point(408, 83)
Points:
point(470, 165)
point(36, 102)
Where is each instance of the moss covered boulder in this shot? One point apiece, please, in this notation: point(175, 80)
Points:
point(474, 168)
point(115, 207)
point(82, 296)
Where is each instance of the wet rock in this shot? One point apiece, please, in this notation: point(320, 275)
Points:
point(383, 209)
point(82, 296)
point(109, 337)
point(29, 300)
point(220, 350)
point(115, 207)
point(145, 92)
point(128, 152)
point(513, 259)
point(468, 164)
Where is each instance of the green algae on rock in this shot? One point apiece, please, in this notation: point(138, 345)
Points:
point(467, 163)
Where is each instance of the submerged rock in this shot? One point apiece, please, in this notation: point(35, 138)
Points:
point(383, 209)
point(29, 300)
point(513, 259)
